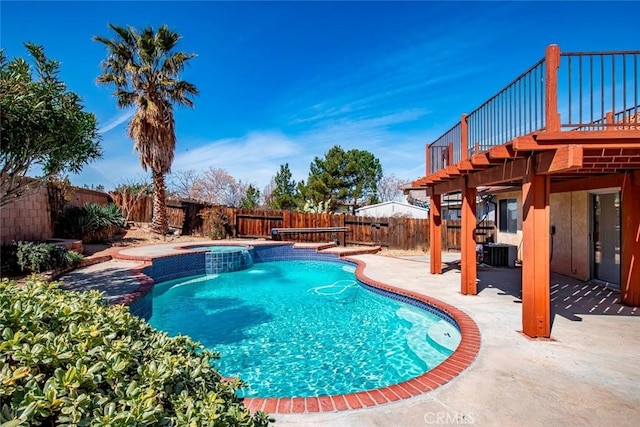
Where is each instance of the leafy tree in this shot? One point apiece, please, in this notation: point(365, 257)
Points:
point(252, 198)
point(144, 68)
point(343, 177)
point(284, 195)
point(43, 124)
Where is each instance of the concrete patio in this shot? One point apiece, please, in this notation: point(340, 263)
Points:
point(587, 374)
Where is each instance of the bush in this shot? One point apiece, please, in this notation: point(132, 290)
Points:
point(215, 223)
point(67, 359)
point(38, 257)
point(93, 222)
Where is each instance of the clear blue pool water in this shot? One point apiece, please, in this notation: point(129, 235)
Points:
point(303, 328)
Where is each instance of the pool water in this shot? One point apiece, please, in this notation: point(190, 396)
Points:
point(303, 328)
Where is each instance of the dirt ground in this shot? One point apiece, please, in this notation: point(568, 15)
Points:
point(138, 236)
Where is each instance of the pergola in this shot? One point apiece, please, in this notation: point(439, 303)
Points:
point(569, 123)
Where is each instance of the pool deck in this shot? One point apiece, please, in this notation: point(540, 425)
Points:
point(587, 374)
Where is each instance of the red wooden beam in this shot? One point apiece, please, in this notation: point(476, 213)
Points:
point(480, 159)
point(562, 159)
point(466, 165)
point(590, 136)
point(505, 172)
point(435, 233)
point(468, 285)
point(452, 171)
point(536, 317)
point(552, 60)
point(630, 233)
point(505, 151)
point(587, 183)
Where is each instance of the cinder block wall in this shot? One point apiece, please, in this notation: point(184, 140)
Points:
point(27, 218)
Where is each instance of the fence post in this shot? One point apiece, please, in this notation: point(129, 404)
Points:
point(552, 117)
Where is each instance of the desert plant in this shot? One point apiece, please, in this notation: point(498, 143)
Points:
point(67, 359)
point(128, 196)
point(37, 257)
point(93, 222)
point(215, 223)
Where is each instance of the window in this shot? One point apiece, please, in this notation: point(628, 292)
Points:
point(508, 219)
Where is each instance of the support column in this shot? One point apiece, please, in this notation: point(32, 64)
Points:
point(536, 317)
point(435, 233)
point(630, 234)
point(468, 285)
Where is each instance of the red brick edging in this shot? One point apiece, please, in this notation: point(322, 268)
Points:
point(450, 368)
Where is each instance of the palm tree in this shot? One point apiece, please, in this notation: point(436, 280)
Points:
point(144, 68)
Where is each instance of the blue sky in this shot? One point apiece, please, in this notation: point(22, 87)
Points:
point(282, 82)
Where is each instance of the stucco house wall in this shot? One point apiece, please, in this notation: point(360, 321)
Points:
point(569, 215)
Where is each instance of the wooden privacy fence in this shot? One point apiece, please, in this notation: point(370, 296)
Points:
point(392, 233)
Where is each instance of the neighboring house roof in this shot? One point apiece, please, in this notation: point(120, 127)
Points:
point(392, 208)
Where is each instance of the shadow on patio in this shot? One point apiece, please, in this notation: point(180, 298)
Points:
point(570, 297)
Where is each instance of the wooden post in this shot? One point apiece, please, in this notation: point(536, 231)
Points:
point(609, 120)
point(468, 285)
point(630, 268)
point(435, 233)
point(464, 138)
point(536, 319)
point(552, 117)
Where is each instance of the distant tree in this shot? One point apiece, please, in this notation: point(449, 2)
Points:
point(252, 198)
point(42, 124)
point(185, 184)
point(217, 187)
point(284, 195)
point(390, 188)
point(267, 192)
point(343, 177)
point(144, 67)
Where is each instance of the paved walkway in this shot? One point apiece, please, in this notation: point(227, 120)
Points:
point(587, 375)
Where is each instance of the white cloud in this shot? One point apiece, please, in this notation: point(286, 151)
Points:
point(116, 121)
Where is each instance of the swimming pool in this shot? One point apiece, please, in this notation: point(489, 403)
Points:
point(303, 328)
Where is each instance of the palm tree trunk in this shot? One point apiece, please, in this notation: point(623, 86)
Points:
point(159, 220)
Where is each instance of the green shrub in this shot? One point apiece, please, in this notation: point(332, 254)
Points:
point(67, 359)
point(93, 222)
point(38, 257)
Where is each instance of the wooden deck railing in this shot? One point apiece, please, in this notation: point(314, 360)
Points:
point(563, 91)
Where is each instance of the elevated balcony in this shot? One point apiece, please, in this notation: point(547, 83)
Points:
point(585, 104)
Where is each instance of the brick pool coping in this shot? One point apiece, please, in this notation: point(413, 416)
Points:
point(462, 357)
